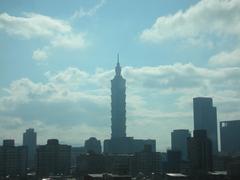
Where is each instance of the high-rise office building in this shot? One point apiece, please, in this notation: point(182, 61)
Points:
point(205, 117)
point(179, 141)
point(118, 88)
point(200, 152)
point(93, 145)
point(229, 135)
point(30, 141)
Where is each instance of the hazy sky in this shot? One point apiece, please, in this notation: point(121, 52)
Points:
point(57, 59)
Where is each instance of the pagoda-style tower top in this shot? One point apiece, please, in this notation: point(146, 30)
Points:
point(118, 67)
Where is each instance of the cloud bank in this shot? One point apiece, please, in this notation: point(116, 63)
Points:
point(78, 103)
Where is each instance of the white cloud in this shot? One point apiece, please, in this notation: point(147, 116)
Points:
point(58, 33)
point(69, 41)
point(90, 12)
point(216, 17)
point(39, 55)
point(180, 77)
point(33, 25)
point(226, 58)
point(157, 97)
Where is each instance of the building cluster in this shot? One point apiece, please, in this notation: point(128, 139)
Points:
point(191, 157)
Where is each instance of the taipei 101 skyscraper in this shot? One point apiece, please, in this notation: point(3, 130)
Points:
point(119, 142)
point(118, 104)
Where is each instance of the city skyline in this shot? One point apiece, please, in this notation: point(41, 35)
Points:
point(56, 66)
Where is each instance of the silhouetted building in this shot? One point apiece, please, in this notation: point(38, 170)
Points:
point(229, 135)
point(53, 159)
point(127, 145)
point(205, 117)
point(90, 163)
point(75, 152)
point(200, 153)
point(139, 144)
point(179, 141)
point(30, 141)
point(93, 145)
point(119, 163)
point(233, 169)
point(173, 161)
point(13, 159)
point(146, 162)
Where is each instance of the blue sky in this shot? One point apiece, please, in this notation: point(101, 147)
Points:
point(57, 60)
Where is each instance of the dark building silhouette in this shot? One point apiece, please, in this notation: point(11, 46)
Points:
point(119, 142)
point(75, 152)
point(179, 141)
point(91, 163)
point(13, 159)
point(127, 145)
point(53, 159)
point(118, 89)
point(93, 145)
point(229, 135)
point(205, 117)
point(119, 163)
point(200, 153)
point(146, 162)
point(173, 161)
point(233, 169)
point(30, 141)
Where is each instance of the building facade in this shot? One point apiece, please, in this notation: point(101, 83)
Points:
point(229, 135)
point(13, 159)
point(30, 141)
point(146, 162)
point(53, 159)
point(179, 141)
point(173, 161)
point(90, 163)
point(200, 153)
point(75, 152)
point(205, 117)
